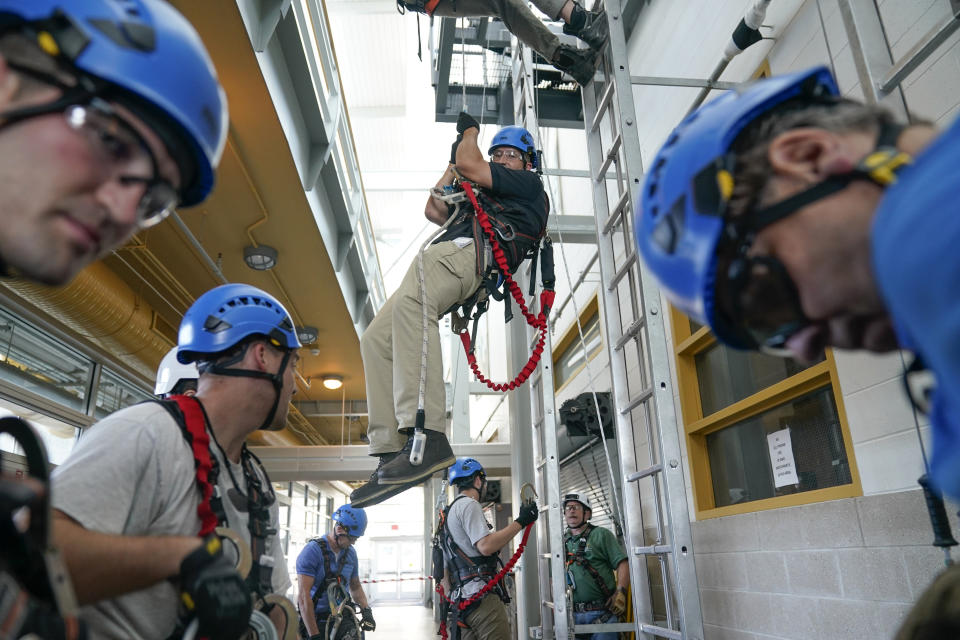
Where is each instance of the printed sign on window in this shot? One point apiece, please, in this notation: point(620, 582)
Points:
point(781, 458)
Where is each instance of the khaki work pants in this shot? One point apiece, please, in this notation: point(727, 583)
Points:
point(488, 621)
point(516, 17)
point(392, 344)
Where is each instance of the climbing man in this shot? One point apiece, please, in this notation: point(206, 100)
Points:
point(455, 266)
point(111, 116)
point(175, 378)
point(132, 499)
point(597, 570)
point(470, 551)
point(589, 26)
point(331, 559)
point(788, 218)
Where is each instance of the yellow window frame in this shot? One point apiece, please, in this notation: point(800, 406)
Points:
point(572, 334)
point(686, 346)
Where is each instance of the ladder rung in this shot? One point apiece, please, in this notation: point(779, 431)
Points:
point(611, 155)
point(601, 105)
point(541, 464)
point(660, 632)
point(628, 335)
point(617, 213)
point(622, 271)
point(636, 402)
point(645, 473)
point(652, 550)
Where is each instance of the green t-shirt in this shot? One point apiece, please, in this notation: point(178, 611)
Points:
point(604, 553)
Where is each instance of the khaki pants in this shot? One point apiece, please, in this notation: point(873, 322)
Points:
point(392, 344)
point(516, 17)
point(488, 621)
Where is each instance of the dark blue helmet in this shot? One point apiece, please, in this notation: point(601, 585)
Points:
point(228, 314)
point(353, 519)
point(518, 138)
point(145, 55)
point(463, 469)
point(681, 211)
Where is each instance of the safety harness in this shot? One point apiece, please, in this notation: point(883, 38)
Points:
point(578, 556)
point(491, 235)
point(192, 419)
point(329, 578)
point(465, 568)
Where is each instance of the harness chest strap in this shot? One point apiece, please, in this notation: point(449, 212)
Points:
point(579, 556)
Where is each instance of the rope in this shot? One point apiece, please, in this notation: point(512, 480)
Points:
point(463, 604)
point(537, 322)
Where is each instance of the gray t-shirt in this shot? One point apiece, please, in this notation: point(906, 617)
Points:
point(133, 474)
point(467, 525)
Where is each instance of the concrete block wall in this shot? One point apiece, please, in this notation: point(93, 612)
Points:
point(845, 569)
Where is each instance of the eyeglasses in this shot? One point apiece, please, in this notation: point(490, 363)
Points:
point(118, 147)
point(572, 506)
point(506, 153)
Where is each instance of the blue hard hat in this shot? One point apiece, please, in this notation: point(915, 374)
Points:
point(152, 61)
point(681, 212)
point(516, 137)
point(463, 469)
point(353, 519)
point(228, 314)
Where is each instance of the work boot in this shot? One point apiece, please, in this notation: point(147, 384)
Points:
point(437, 456)
point(373, 492)
point(579, 63)
point(589, 26)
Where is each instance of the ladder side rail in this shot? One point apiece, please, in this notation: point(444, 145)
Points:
point(678, 522)
point(632, 515)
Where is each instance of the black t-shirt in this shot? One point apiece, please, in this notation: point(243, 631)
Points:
point(520, 193)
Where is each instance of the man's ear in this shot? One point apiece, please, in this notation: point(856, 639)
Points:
point(9, 82)
point(808, 154)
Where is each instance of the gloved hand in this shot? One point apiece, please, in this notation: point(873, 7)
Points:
point(528, 513)
point(213, 591)
point(367, 623)
point(453, 149)
point(466, 121)
point(617, 603)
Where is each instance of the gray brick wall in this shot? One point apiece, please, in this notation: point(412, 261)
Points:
point(845, 569)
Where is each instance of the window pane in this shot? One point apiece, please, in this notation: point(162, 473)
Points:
point(572, 357)
point(114, 394)
point(727, 375)
point(58, 437)
point(740, 457)
point(38, 363)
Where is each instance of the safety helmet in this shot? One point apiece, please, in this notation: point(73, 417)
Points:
point(577, 497)
point(681, 214)
point(353, 519)
point(145, 55)
point(171, 372)
point(463, 469)
point(228, 314)
point(516, 137)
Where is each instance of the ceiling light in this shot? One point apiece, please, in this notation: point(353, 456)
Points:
point(307, 335)
point(333, 382)
point(260, 258)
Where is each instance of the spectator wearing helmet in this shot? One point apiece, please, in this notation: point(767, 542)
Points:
point(127, 502)
point(589, 26)
point(327, 560)
point(470, 553)
point(789, 219)
point(597, 569)
point(454, 268)
point(111, 115)
point(174, 378)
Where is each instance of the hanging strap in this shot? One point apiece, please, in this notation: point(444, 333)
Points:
point(538, 322)
point(194, 427)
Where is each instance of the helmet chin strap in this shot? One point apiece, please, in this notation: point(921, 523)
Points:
point(275, 378)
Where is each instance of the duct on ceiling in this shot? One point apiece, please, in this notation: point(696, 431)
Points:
point(101, 308)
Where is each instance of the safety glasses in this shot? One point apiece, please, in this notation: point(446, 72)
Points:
point(759, 298)
point(506, 153)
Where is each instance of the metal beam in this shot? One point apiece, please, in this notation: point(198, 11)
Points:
point(682, 82)
point(320, 409)
point(353, 463)
point(572, 229)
